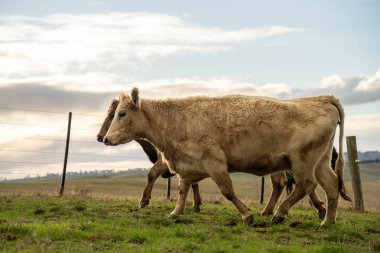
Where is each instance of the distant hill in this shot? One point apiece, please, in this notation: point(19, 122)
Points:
point(80, 174)
point(367, 157)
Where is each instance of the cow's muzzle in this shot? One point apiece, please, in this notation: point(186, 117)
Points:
point(99, 138)
point(107, 142)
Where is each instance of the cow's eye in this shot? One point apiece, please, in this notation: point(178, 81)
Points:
point(122, 113)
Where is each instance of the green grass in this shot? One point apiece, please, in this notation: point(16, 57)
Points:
point(86, 224)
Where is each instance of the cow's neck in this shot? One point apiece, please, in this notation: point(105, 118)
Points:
point(161, 118)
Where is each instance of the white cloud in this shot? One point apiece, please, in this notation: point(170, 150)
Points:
point(370, 84)
point(334, 81)
point(66, 44)
point(214, 86)
point(351, 90)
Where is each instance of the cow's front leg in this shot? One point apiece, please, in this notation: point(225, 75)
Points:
point(219, 173)
point(183, 187)
point(157, 170)
point(197, 197)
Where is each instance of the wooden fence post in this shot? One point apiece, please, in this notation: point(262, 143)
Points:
point(168, 188)
point(262, 190)
point(355, 173)
point(66, 155)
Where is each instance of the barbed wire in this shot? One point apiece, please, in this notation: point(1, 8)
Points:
point(30, 110)
point(43, 111)
point(81, 154)
point(367, 139)
point(47, 126)
point(48, 139)
point(70, 165)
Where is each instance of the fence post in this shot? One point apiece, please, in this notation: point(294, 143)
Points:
point(168, 188)
point(262, 191)
point(66, 155)
point(355, 173)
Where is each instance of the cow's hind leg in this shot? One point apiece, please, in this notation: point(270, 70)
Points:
point(329, 182)
point(157, 170)
point(197, 197)
point(278, 181)
point(183, 187)
point(305, 184)
point(219, 174)
point(318, 204)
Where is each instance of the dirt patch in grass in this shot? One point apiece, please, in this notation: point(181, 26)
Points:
point(39, 211)
point(263, 224)
point(295, 224)
point(8, 237)
point(231, 223)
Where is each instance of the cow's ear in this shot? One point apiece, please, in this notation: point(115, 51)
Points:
point(135, 98)
point(115, 102)
point(122, 97)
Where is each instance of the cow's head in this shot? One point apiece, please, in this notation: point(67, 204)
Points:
point(129, 121)
point(107, 121)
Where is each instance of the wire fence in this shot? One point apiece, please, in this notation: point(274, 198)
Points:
point(35, 139)
point(52, 159)
point(37, 156)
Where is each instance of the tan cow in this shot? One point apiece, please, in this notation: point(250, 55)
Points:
point(210, 137)
point(160, 168)
point(278, 179)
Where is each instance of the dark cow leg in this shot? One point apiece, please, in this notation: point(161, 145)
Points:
point(278, 181)
point(197, 198)
point(329, 182)
point(157, 170)
point(219, 174)
point(183, 187)
point(318, 204)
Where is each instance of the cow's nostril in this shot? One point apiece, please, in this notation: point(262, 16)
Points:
point(106, 141)
point(100, 138)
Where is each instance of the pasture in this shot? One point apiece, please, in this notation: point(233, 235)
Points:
point(101, 214)
point(86, 224)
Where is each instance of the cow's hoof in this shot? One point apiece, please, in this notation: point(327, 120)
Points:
point(265, 213)
point(173, 216)
point(144, 203)
point(324, 225)
point(196, 209)
point(277, 220)
point(322, 213)
point(248, 220)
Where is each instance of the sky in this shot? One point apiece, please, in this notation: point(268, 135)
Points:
point(62, 56)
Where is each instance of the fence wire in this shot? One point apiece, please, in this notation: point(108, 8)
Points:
point(107, 158)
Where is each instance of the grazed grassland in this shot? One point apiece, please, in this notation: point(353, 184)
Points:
point(247, 187)
point(33, 223)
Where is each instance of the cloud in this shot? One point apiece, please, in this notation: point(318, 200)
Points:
point(45, 97)
point(52, 96)
point(62, 44)
point(370, 84)
point(334, 81)
point(351, 90)
point(75, 96)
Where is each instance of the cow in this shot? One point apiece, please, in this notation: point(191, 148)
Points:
point(159, 168)
point(202, 137)
point(278, 179)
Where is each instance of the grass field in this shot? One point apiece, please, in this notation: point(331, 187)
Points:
point(87, 224)
point(247, 188)
point(101, 214)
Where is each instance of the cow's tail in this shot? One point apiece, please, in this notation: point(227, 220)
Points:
point(339, 164)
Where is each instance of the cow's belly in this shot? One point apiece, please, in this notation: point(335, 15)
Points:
point(259, 165)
